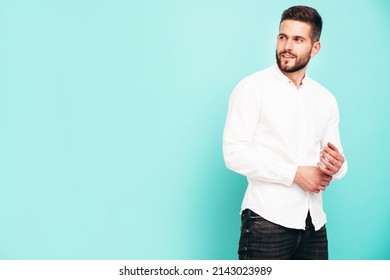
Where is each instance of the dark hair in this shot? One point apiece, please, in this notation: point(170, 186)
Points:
point(307, 15)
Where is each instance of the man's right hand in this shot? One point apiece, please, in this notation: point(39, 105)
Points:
point(311, 178)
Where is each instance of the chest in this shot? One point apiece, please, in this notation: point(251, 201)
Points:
point(294, 111)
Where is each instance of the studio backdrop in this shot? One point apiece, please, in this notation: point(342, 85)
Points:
point(112, 114)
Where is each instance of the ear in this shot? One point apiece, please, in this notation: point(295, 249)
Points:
point(315, 49)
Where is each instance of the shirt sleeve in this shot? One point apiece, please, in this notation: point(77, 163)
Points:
point(239, 154)
point(332, 135)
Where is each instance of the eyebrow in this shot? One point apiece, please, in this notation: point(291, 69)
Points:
point(294, 36)
point(299, 37)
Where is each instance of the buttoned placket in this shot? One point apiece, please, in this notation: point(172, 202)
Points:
point(301, 115)
point(302, 133)
point(301, 123)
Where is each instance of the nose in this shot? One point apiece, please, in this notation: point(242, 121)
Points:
point(288, 45)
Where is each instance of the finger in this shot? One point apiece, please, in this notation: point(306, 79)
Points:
point(321, 188)
point(331, 165)
point(333, 147)
point(327, 160)
point(334, 152)
point(325, 170)
point(327, 178)
point(330, 154)
point(324, 183)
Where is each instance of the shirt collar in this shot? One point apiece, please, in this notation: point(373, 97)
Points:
point(283, 78)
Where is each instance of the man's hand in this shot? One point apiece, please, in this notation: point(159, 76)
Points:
point(331, 160)
point(311, 179)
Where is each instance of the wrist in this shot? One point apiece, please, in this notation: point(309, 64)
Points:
point(298, 175)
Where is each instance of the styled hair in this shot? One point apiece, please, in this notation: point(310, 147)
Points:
point(307, 15)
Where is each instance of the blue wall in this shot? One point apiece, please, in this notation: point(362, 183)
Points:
point(111, 120)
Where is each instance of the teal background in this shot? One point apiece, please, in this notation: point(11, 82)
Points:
point(111, 121)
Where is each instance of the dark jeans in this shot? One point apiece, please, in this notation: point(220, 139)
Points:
point(263, 240)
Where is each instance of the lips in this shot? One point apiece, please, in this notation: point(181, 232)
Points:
point(287, 55)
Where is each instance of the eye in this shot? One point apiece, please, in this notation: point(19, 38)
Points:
point(299, 40)
point(281, 37)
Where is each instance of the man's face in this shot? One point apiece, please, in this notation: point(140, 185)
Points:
point(294, 47)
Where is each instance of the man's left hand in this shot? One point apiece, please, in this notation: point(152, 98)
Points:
point(331, 160)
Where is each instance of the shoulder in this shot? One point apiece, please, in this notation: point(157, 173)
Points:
point(321, 91)
point(255, 81)
point(260, 77)
point(250, 89)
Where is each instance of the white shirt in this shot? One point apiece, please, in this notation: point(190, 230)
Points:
point(272, 128)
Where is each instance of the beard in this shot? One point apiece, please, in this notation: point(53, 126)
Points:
point(300, 62)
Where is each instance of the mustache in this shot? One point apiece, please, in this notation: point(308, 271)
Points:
point(286, 52)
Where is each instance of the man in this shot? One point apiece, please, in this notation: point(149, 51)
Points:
point(282, 133)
